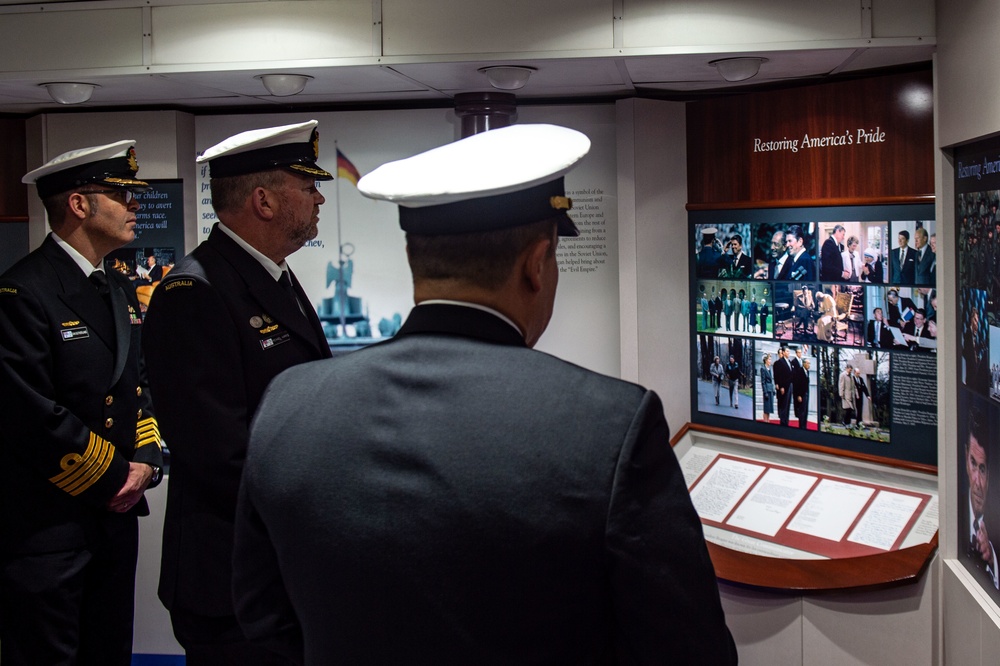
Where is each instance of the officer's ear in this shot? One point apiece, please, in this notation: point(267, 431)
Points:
point(262, 201)
point(78, 206)
point(537, 255)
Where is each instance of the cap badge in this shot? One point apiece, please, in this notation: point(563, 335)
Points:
point(561, 203)
point(133, 163)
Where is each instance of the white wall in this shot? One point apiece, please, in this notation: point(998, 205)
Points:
point(652, 185)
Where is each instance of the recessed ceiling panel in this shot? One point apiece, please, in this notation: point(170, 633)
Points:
point(512, 26)
point(655, 23)
point(261, 31)
point(34, 42)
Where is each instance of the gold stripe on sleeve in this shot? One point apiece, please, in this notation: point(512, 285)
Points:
point(147, 432)
point(81, 472)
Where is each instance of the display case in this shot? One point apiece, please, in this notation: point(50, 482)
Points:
point(789, 516)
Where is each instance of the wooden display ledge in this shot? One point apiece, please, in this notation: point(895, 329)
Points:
point(882, 570)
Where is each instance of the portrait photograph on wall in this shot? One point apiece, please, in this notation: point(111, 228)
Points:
point(977, 214)
point(847, 353)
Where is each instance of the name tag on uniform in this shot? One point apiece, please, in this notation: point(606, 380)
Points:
point(78, 333)
point(275, 340)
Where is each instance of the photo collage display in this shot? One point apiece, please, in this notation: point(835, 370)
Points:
point(977, 215)
point(829, 327)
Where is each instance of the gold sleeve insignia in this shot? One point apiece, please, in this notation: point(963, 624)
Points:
point(81, 472)
point(147, 432)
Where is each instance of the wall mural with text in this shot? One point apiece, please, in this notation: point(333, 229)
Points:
point(977, 214)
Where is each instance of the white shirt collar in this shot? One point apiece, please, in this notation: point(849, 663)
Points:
point(274, 269)
point(80, 260)
point(474, 306)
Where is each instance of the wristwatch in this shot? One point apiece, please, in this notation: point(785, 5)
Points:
point(157, 476)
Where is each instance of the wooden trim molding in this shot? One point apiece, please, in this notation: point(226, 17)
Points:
point(884, 570)
point(787, 443)
point(813, 203)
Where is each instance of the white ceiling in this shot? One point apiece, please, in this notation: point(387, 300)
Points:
point(429, 81)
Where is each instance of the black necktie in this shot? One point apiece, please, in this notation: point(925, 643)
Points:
point(285, 282)
point(100, 282)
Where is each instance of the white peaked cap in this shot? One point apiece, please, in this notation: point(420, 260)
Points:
point(496, 179)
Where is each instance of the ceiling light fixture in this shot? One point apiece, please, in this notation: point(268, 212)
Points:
point(284, 85)
point(507, 77)
point(738, 69)
point(69, 93)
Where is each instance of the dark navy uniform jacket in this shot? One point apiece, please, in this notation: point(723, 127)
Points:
point(74, 402)
point(219, 328)
point(453, 497)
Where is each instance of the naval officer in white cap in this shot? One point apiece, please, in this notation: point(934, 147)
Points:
point(226, 319)
point(451, 496)
point(79, 443)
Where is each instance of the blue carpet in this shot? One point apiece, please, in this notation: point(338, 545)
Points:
point(157, 660)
